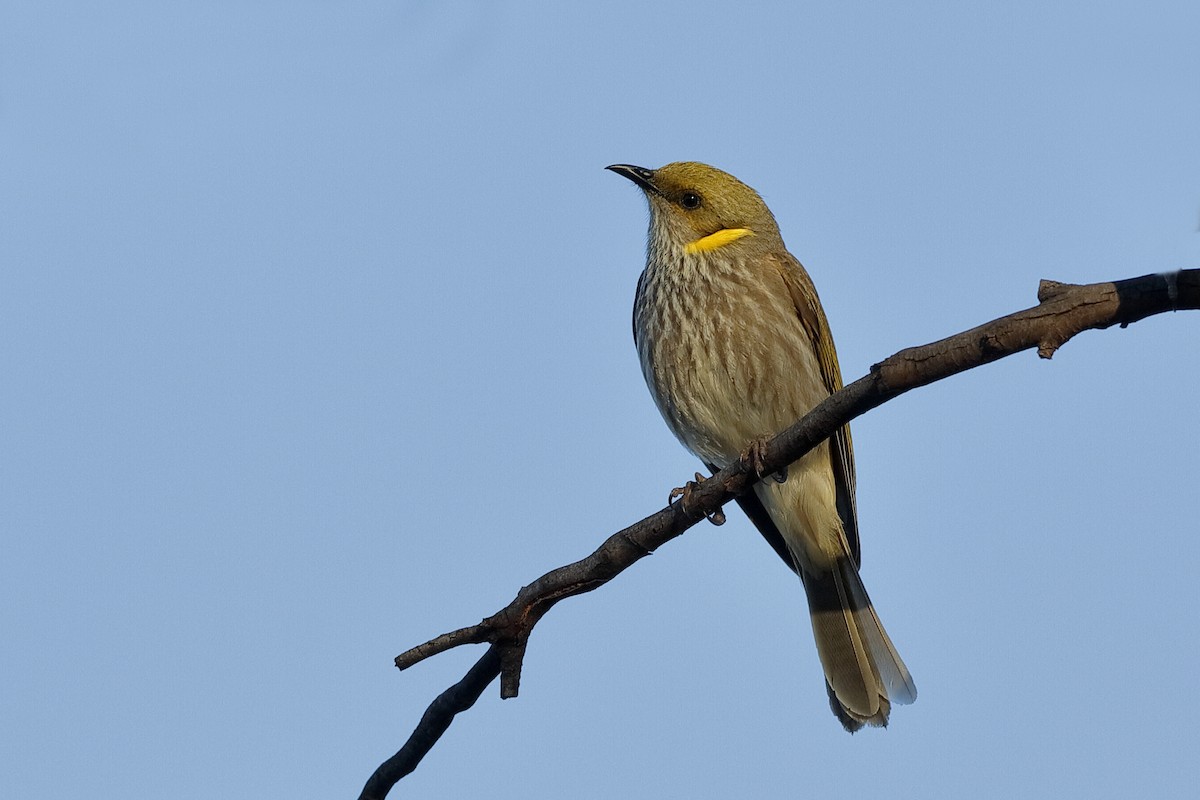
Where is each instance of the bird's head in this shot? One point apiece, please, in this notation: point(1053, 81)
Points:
point(695, 208)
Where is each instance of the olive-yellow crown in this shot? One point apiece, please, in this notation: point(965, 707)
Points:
point(701, 208)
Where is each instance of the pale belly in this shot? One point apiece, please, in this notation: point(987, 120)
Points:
point(725, 369)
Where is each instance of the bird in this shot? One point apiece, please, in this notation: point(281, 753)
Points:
point(734, 346)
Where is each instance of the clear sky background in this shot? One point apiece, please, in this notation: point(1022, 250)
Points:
point(315, 343)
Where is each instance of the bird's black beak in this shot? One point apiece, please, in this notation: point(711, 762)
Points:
point(640, 175)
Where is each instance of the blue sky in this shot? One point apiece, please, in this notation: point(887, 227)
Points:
point(314, 322)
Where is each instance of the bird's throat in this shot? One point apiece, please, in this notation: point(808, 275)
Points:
point(717, 240)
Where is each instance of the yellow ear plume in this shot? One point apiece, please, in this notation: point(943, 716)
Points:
point(716, 240)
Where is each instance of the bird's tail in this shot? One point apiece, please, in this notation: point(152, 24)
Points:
point(863, 672)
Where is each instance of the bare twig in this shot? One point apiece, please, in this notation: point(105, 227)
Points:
point(434, 723)
point(1064, 310)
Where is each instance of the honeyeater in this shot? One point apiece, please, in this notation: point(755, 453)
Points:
point(735, 347)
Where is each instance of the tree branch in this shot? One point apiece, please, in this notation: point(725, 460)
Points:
point(1063, 311)
point(434, 723)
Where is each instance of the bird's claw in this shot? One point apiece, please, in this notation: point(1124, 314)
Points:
point(755, 456)
point(684, 495)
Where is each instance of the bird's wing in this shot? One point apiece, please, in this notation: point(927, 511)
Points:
point(812, 318)
point(636, 302)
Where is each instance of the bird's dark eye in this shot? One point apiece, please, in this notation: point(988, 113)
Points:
point(690, 200)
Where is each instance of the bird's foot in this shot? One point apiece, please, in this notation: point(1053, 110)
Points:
point(684, 495)
point(755, 455)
